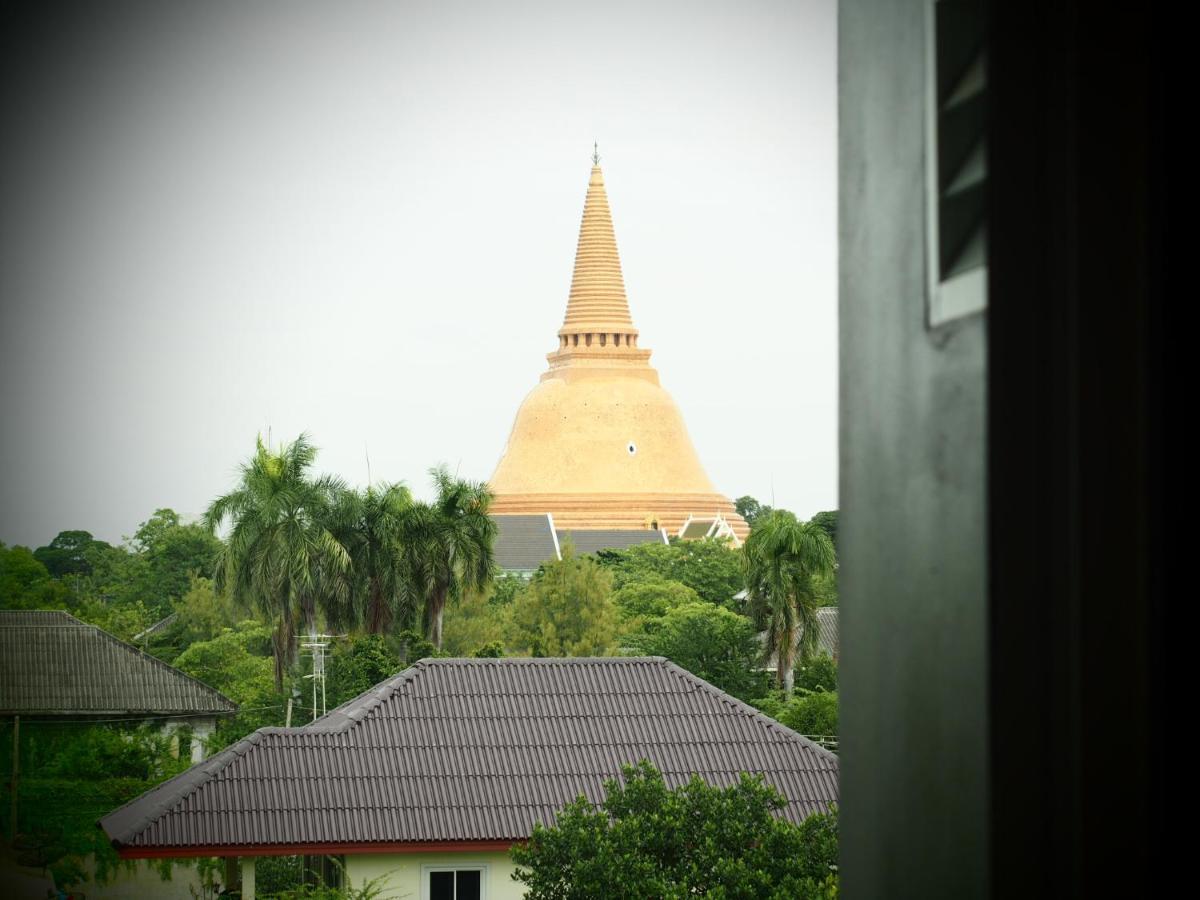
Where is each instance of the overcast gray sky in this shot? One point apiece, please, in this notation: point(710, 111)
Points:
point(359, 219)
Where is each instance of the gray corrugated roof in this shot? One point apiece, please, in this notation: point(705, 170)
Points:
point(471, 749)
point(589, 541)
point(52, 664)
point(828, 636)
point(523, 542)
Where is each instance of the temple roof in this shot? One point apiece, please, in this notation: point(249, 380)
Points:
point(597, 302)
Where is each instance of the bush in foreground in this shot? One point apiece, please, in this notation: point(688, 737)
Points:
point(649, 841)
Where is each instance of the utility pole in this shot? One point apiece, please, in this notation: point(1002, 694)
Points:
point(315, 644)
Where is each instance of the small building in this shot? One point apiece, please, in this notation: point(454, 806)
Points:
point(427, 779)
point(53, 666)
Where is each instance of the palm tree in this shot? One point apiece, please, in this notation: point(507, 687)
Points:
point(280, 556)
point(373, 527)
point(448, 545)
point(783, 557)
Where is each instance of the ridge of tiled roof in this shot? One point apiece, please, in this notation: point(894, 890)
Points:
point(102, 667)
point(469, 749)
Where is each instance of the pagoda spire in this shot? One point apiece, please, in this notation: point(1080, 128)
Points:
point(597, 303)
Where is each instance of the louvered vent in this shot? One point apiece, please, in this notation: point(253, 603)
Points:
point(958, 176)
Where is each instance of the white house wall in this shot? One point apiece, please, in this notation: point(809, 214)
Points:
point(401, 873)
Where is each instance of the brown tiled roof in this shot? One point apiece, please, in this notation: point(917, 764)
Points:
point(52, 664)
point(455, 750)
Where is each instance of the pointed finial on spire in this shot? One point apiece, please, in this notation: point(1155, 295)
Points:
point(595, 154)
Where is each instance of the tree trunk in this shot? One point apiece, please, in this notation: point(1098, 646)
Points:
point(437, 603)
point(377, 611)
point(279, 643)
point(786, 664)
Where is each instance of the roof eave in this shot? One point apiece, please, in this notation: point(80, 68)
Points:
point(327, 849)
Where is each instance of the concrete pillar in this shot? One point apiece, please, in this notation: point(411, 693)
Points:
point(247, 878)
point(202, 730)
point(171, 729)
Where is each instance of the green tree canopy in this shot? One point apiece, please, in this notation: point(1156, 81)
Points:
point(646, 840)
point(566, 610)
point(238, 663)
point(750, 509)
point(71, 775)
point(67, 554)
point(372, 525)
point(828, 522)
point(784, 559)
point(811, 713)
point(357, 664)
point(280, 555)
point(173, 553)
point(448, 545)
point(474, 622)
point(26, 584)
point(712, 568)
point(817, 673)
point(652, 598)
point(709, 641)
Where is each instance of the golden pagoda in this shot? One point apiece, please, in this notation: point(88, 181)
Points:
point(598, 443)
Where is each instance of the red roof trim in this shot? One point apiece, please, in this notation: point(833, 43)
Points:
point(313, 849)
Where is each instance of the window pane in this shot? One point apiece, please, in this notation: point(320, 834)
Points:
point(441, 886)
point(468, 886)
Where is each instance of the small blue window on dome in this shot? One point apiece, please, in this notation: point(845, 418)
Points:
point(631, 447)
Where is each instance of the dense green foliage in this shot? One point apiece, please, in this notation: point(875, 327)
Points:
point(473, 622)
point(641, 600)
point(710, 641)
point(69, 553)
point(71, 775)
point(237, 663)
point(280, 556)
point(750, 509)
point(817, 673)
point(448, 546)
point(566, 610)
point(784, 558)
point(828, 522)
point(371, 526)
point(811, 713)
point(356, 666)
point(647, 840)
point(26, 584)
point(711, 568)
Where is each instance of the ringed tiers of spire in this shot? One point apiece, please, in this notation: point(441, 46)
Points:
point(599, 443)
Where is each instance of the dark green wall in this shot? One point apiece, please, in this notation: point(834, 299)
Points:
point(912, 540)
